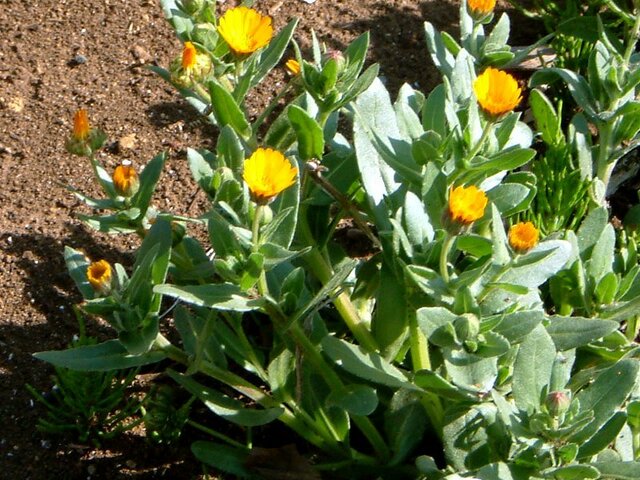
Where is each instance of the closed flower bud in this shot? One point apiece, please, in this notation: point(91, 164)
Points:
point(191, 6)
point(557, 403)
point(81, 127)
point(523, 236)
point(84, 140)
point(293, 67)
point(467, 327)
point(99, 276)
point(125, 180)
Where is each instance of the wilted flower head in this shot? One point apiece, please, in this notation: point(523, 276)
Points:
point(466, 204)
point(125, 180)
point(292, 66)
point(191, 66)
point(245, 30)
point(481, 8)
point(497, 91)
point(81, 127)
point(99, 276)
point(523, 236)
point(267, 173)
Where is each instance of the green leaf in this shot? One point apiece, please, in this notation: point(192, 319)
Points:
point(110, 355)
point(441, 57)
point(601, 261)
point(368, 366)
point(226, 407)
point(355, 399)
point(405, 424)
point(577, 85)
point(604, 437)
point(547, 121)
point(515, 326)
point(273, 53)
point(229, 149)
point(539, 264)
point(574, 332)
point(473, 244)
point(469, 371)
point(432, 382)
point(505, 160)
point(226, 110)
point(433, 116)
point(220, 296)
point(572, 472)
point(532, 369)
point(309, 133)
point(77, 264)
point(591, 230)
point(605, 395)
point(497, 39)
point(618, 470)
point(148, 179)
point(222, 457)
point(389, 323)
point(201, 169)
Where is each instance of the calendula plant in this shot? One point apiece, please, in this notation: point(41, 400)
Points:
point(456, 348)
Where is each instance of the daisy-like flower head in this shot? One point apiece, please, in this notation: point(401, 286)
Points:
point(480, 8)
point(466, 204)
point(523, 236)
point(99, 276)
point(245, 30)
point(497, 91)
point(267, 173)
point(292, 66)
point(81, 127)
point(125, 180)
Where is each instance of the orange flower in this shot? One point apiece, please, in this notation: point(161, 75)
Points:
point(292, 66)
point(189, 54)
point(125, 180)
point(99, 276)
point(480, 8)
point(523, 236)
point(245, 30)
point(466, 204)
point(497, 91)
point(267, 173)
point(81, 128)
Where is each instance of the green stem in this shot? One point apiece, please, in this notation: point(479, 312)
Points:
point(474, 151)
point(604, 167)
point(633, 38)
point(267, 111)
point(421, 361)
point(263, 288)
point(633, 325)
point(246, 388)
point(444, 255)
point(215, 434)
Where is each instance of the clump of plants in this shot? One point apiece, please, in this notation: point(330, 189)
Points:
point(484, 336)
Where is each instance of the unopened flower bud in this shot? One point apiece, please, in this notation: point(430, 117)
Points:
point(467, 327)
point(558, 402)
point(335, 56)
point(84, 140)
point(191, 6)
point(293, 67)
point(125, 180)
point(99, 276)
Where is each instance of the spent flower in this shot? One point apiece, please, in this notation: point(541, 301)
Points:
point(192, 66)
point(267, 173)
point(497, 91)
point(466, 204)
point(245, 30)
point(99, 276)
point(523, 236)
point(293, 67)
point(84, 140)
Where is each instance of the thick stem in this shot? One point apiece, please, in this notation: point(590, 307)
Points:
point(421, 361)
point(444, 256)
point(263, 288)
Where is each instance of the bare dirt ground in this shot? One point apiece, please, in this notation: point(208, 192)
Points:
point(60, 55)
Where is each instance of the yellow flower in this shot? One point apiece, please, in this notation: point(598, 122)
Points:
point(481, 7)
point(81, 128)
point(466, 204)
point(189, 55)
point(267, 173)
point(245, 30)
point(99, 276)
point(523, 236)
point(292, 66)
point(497, 92)
point(125, 180)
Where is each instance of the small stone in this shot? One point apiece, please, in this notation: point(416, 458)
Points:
point(16, 104)
point(128, 142)
point(141, 54)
